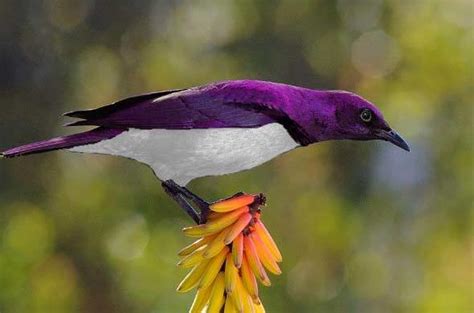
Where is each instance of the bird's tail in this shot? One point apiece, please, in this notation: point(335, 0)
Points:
point(65, 142)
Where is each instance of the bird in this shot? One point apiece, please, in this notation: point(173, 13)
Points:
point(216, 129)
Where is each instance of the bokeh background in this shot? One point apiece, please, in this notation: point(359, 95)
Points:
point(364, 227)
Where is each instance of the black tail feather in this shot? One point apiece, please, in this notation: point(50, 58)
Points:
point(64, 142)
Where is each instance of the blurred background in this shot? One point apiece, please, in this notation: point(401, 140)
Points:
point(363, 227)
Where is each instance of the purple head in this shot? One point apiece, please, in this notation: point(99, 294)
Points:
point(345, 115)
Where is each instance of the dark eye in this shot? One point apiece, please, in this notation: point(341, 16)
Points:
point(366, 115)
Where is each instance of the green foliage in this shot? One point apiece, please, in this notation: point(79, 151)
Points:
point(363, 227)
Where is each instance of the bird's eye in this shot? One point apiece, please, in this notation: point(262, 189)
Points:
point(366, 115)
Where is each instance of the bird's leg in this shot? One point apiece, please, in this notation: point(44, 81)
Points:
point(177, 196)
point(199, 202)
point(185, 194)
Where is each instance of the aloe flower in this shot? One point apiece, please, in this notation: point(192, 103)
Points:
point(233, 253)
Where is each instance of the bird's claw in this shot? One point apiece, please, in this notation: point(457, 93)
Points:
point(184, 196)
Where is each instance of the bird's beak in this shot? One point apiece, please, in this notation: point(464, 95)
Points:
point(392, 136)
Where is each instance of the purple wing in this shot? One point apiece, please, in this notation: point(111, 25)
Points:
point(226, 104)
point(245, 104)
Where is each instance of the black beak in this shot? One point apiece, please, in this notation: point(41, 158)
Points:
point(393, 137)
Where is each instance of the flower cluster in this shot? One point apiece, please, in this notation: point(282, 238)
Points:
point(233, 252)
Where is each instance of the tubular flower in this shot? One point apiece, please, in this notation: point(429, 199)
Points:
point(233, 253)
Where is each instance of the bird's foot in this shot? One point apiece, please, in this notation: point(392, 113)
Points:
point(254, 202)
point(186, 199)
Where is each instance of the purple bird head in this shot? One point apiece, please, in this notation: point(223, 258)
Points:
point(337, 115)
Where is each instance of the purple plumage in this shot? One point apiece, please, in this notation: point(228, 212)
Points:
point(307, 115)
point(201, 107)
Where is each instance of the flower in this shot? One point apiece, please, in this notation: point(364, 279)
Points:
point(234, 251)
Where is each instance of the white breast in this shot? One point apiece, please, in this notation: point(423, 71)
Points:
point(183, 155)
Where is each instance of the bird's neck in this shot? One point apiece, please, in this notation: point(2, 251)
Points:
point(314, 113)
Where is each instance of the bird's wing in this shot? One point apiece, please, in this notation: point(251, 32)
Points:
point(213, 106)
